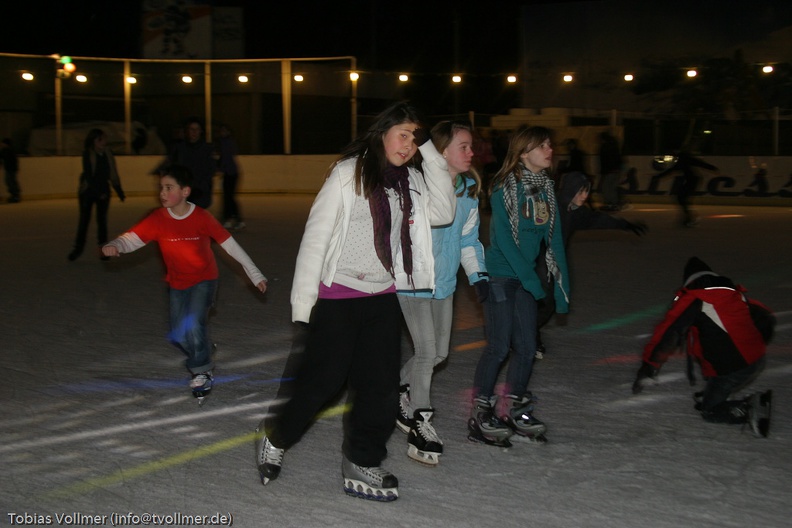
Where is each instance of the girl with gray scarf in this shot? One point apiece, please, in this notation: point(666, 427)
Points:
point(524, 215)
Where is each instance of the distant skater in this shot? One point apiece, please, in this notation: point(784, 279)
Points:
point(227, 149)
point(99, 173)
point(10, 168)
point(685, 183)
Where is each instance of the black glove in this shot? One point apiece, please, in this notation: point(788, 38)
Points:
point(639, 228)
point(421, 136)
point(646, 371)
point(482, 290)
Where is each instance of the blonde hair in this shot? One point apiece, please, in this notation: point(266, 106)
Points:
point(523, 141)
point(443, 134)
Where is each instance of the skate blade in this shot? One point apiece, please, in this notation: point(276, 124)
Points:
point(423, 457)
point(532, 439)
point(764, 403)
point(403, 428)
point(505, 443)
point(356, 488)
point(200, 395)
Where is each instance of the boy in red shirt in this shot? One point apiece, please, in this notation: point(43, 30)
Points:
point(185, 233)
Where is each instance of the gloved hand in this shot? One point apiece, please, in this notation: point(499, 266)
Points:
point(482, 290)
point(421, 136)
point(646, 371)
point(639, 228)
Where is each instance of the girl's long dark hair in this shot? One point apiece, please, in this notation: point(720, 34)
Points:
point(370, 150)
point(94, 133)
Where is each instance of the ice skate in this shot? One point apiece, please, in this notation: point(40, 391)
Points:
point(518, 416)
point(485, 427)
point(759, 410)
point(403, 420)
point(201, 385)
point(423, 444)
point(268, 458)
point(371, 483)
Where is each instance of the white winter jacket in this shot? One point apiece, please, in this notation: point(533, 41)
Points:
point(434, 203)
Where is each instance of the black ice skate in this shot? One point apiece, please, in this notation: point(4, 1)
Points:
point(268, 458)
point(201, 385)
point(403, 419)
point(760, 406)
point(423, 444)
point(485, 427)
point(371, 483)
point(518, 416)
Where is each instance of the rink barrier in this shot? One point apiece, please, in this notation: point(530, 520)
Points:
point(735, 183)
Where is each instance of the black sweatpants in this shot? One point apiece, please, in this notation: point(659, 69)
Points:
point(357, 342)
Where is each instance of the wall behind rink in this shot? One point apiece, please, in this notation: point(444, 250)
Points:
point(57, 177)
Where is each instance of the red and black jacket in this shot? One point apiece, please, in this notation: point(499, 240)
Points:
point(710, 318)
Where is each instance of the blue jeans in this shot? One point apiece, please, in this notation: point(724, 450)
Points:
point(510, 316)
point(189, 319)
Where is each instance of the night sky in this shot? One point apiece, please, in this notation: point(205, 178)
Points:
point(483, 38)
point(441, 35)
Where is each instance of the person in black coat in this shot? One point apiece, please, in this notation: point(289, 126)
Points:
point(198, 156)
point(99, 174)
point(572, 194)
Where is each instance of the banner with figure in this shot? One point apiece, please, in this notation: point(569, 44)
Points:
point(177, 29)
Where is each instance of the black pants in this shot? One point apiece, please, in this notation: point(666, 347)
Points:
point(715, 405)
point(87, 202)
point(230, 205)
point(357, 342)
point(12, 185)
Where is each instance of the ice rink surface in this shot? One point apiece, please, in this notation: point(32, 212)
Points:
point(97, 419)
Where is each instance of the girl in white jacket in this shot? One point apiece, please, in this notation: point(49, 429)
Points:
point(368, 234)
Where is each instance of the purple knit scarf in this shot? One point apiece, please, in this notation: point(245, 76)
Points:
point(396, 178)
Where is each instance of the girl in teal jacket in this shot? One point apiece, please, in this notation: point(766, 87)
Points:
point(524, 216)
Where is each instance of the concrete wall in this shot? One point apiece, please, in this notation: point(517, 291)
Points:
point(57, 177)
